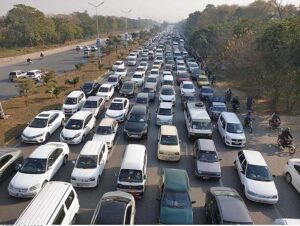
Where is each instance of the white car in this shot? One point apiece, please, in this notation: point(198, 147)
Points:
point(95, 105)
point(106, 131)
point(292, 173)
point(118, 64)
point(39, 168)
point(187, 87)
point(167, 94)
point(122, 72)
point(118, 109)
point(34, 75)
point(94, 48)
point(141, 69)
point(255, 177)
point(106, 91)
point(90, 165)
point(157, 64)
point(43, 126)
point(138, 78)
point(160, 59)
point(154, 72)
point(164, 114)
point(16, 74)
point(78, 127)
point(74, 102)
point(144, 64)
point(151, 81)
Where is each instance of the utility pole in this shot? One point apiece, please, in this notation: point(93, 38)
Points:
point(98, 38)
point(126, 34)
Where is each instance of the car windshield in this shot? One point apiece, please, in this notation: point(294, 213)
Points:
point(141, 100)
point(176, 199)
point(87, 86)
point(129, 175)
point(137, 76)
point(71, 101)
point(207, 156)
point(34, 166)
point(164, 111)
point(154, 72)
point(260, 173)
point(104, 130)
point(74, 124)
point(128, 86)
point(137, 118)
point(201, 124)
point(140, 69)
point(103, 89)
point(120, 70)
point(112, 79)
point(143, 64)
point(30, 73)
point(205, 90)
point(86, 162)
point(181, 69)
point(188, 86)
point(90, 104)
point(167, 92)
point(196, 70)
point(219, 108)
point(148, 90)
point(151, 80)
point(203, 79)
point(116, 106)
point(38, 123)
point(234, 128)
point(168, 140)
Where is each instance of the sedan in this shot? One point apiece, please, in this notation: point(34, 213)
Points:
point(167, 94)
point(127, 89)
point(206, 93)
point(106, 91)
point(292, 173)
point(90, 88)
point(151, 90)
point(95, 105)
point(187, 87)
point(151, 81)
point(144, 64)
point(106, 131)
point(9, 162)
point(116, 207)
point(122, 72)
point(138, 78)
point(43, 126)
point(118, 109)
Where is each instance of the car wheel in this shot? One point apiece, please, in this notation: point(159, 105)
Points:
point(62, 122)
point(224, 142)
point(98, 181)
point(47, 137)
point(65, 160)
point(75, 218)
point(288, 178)
point(83, 138)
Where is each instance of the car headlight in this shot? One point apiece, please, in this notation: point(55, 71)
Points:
point(251, 193)
point(145, 129)
point(73, 178)
point(39, 135)
point(227, 137)
point(274, 196)
point(34, 187)
point(92, 179)
point(77, 135)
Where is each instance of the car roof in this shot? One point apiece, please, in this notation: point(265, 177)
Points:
point(206, 145)
point(107, 122)
point(134, 157)
point(176, 179)
point(295, 160)
point(34, 70)
point(198, 113)
point(106, 85)
point(232, 206)
point(91, 148)
point(254, 158)
point(165, 105)
point(111, 212)
point(75, 93)
point(139, 108)
point(167, 87)
point(128, 81)
point(143, 95)
point(94, 98)
point(44, 150)
point(168, 77)
point(168, 130)
point(230, 117)
point(114, 75)
point(45, 114)
point(187, 82)
point(118, 100)
point(154, 69)
point(80, 115)
point(119, 61)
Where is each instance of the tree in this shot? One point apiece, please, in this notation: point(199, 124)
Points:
point(49, 77)
point(54, 91)
point(72, 81)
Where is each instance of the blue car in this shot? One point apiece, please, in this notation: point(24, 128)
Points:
point(206, 93)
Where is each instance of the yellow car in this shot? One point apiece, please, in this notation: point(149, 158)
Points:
point(202, 81)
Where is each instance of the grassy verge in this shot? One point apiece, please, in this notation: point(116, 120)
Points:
point(22, 109)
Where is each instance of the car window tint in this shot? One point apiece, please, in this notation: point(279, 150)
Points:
point(128, 215)
point(60, 216)
point(70, 199)
point(4, 160)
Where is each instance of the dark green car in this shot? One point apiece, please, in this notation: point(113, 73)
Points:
point(175, 202)
point(10, 159)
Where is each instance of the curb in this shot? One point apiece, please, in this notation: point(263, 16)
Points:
point(12, 140)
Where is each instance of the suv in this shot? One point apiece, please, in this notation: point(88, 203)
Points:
point(74, 102)
point(118, 109)
point(175, 200)
point(142, 98)
point(34, 75)
point(207, 162)
point(16, 74)
point(115, 80)
point(106, 131)
point(255, 177)
point(225, 206)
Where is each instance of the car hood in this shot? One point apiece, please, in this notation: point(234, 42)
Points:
point(70, 133)
point(211, 167)
point(188, 90)
point(104, 138)
point(30, 132)
point(176, 216)
point(24, 180)
point(265, 188)
point(93, 110)
point(135, 126)
point(126, 91)
point(167, 97)
point(68, 106)
point(235, 136)
point(84, 173)
point(101, 94)
point(114, 113)
point(86, 90)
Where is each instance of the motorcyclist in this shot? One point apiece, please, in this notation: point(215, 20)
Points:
point(275, 119)
point(249, 118)
point(250, 102)
point(235, 102)
point(285, 137)
point(228, 94)
point(213, 79)
point(29, 60)
point(42, 55)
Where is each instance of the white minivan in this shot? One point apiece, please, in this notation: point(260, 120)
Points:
point(90, 164)
point(231, 130)
point(74, 102)
point(133, 172)
point(57, 203)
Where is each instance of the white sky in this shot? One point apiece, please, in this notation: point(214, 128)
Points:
point(160, 10)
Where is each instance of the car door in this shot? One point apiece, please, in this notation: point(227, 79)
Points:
point(55, 161)
point(195, 152)
point(53, 123)
point(221, 126)
point(102, 158)
point(241, 167)
point(126, 107)
point(296, 177)
point(70, 207)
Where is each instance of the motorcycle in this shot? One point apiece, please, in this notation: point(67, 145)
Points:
point(274, 124)
point(228, 96)
point(235, 107)
point(285, 143)
point(29, 61)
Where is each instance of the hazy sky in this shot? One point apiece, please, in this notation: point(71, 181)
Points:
point(169, 10)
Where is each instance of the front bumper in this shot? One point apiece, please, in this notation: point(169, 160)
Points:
point(76, 140)
point(22, 193)
point(35, 140)
point(261, 199)
point(84, 183)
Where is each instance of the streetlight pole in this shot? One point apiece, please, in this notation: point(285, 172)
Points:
point(126, 34)
point(98, 38)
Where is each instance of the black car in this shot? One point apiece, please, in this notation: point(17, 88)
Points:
point(127, 89)
point(137, 123)
point(90, 88)
point(151, 90)
point(9, 162)
point(225, 206)
point(142, 98)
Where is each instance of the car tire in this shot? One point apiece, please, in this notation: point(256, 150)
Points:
point(75, 218)
point(98, 182)
point(47, 137)
point(62, 122)
point(288, 178)
point(83, 138)
point(65, 160)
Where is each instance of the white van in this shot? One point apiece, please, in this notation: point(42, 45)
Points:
point(197, 120)
point(56, 203)
point(74, 102)
point(133, 171)
point(231, 130)
point(167, 80)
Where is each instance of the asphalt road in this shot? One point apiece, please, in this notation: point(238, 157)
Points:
point(147, 207)
point(60, 63)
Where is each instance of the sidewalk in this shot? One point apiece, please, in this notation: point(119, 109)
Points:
point(22, 58)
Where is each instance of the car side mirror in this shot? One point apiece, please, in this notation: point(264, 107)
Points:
point(28, 123)
point(50, 124)
point(18, 166)
point(50, 167)
point(220, 159)
point(242, 171)
point(73, 161)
